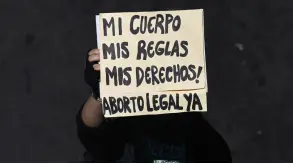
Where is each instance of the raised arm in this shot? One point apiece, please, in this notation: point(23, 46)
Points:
point(103, 139)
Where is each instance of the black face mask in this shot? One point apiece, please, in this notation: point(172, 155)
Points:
point(92, 77)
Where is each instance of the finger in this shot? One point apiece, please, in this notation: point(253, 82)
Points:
point(94, 52)
point(96, 67)
point(94, 58)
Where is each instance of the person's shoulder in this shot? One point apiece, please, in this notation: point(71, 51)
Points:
point(209, 143)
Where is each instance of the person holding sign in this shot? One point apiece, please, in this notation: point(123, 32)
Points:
point(180, 137)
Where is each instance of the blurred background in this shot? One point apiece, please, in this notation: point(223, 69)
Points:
point(42, 50)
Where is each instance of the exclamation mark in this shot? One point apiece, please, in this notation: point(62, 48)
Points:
point(198, 74)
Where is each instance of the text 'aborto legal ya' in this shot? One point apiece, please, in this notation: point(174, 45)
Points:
point(152, 75)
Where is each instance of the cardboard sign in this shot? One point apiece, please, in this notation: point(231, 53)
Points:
point(152, 62)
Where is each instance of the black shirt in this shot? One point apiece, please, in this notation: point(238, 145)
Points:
point(182, 137)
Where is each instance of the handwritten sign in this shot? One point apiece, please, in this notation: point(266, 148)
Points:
point(152, 62)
